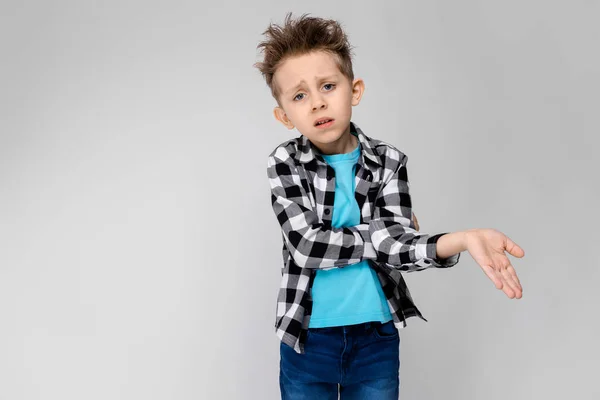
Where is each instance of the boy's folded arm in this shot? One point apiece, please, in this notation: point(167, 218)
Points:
point(393, 232)
point(311, 243)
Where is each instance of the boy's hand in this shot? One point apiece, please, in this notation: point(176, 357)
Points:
point(487, 247)
point(416, 222)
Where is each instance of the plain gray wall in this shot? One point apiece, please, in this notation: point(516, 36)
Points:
point(139, 254)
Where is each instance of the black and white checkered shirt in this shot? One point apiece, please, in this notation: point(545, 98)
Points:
point(302, 194)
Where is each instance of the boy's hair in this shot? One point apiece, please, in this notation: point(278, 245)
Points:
point(302, 36)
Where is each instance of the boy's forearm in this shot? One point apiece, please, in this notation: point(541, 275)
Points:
point(451, 244)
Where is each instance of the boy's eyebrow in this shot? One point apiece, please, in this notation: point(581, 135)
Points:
point(322, 78)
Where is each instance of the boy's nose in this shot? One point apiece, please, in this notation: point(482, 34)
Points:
point(319, 104)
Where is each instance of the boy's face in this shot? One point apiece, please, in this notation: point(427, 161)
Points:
point(311, 87)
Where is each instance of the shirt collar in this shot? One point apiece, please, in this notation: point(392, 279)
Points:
point(307, 152)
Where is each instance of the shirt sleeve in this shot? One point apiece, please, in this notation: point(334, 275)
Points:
point(311, 243)
point(393, 233)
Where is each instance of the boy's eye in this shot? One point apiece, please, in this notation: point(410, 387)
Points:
point(327, 84)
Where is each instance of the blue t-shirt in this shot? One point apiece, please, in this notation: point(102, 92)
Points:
point(353, 294)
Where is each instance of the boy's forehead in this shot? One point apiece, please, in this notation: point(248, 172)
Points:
point(307, 68)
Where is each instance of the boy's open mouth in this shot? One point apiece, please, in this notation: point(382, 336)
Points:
point(324, 121)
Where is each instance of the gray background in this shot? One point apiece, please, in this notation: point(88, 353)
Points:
point(139, 255)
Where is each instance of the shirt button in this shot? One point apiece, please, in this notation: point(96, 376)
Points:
point(327, 211)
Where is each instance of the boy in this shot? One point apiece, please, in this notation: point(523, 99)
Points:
point(342, 201)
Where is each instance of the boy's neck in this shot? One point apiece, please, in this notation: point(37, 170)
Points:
point(345, 144)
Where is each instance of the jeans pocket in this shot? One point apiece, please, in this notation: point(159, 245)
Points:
point(385, 330)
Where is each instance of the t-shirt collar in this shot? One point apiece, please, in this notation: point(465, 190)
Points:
point(307, 151)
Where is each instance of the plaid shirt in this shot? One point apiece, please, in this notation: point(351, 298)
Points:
point(302, 193)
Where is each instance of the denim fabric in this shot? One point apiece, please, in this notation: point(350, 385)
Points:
point(359, 361)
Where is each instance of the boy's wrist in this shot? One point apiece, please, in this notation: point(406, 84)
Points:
point(451, 244)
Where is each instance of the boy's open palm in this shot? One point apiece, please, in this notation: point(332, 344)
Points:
point(487, 247)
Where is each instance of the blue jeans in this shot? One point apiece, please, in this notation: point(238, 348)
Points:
point(360, 361)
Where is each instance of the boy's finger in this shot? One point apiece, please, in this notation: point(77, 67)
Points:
point(514, 249)
point(510, 282)
point(415, 221)
point(491, 273)
point(510, 293)
point(513, 273)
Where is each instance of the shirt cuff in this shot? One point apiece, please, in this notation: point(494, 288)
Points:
point(430, 255)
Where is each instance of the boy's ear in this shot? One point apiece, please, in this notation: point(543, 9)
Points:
point(358, 88)
point(282, 117)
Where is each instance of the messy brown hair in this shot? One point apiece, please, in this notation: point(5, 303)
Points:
point(302, 36)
